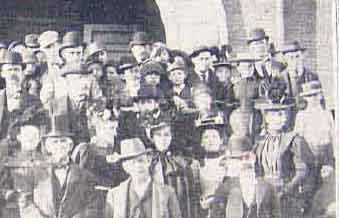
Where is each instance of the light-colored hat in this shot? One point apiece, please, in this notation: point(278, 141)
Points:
point(311, 88)
point(47, 38)
point(93, 48)
point(132, 148)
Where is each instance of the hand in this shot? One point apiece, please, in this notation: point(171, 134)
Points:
point(326, 171)
point(113, 158)
point(206, 202)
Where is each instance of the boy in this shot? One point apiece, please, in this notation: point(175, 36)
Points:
point(140, 195)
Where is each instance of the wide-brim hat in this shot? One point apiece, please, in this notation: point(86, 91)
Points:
point(265, 104)
point(10, 57)
point(292, 47)
point(238, 146)
point(257, 34)
point(94, 48)
point(31, 41)
point(199, 49)
point(132, 148)
point(311, 88)
point(140, 38)
point(47, 38)
point(71, 40)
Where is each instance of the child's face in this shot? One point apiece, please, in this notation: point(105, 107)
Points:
point(223, 73)
point(148, 105)
point(152, 79)
point(211, 140)
point(177, 77)
point(162, 138)
point(138, 166)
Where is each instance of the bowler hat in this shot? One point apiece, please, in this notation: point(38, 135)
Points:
point(200, 49)
point(29, 58)
point(311, 88)
point(60, 126)
point(238, 146)
point(132, 148)
point(151, 67)
point(47, 38)
point(257, 34)
point(10, 57)
point(70, 40)
point(31, 41)
point(140, 38)
point(93, 48)
point(292, 47)
point(178, 64)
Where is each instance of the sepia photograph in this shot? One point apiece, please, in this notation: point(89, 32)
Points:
point(169, 108)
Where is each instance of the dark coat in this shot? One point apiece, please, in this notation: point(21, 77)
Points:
point(229, 201)
point(164, 202)
point(193, 80)
point(295, 164)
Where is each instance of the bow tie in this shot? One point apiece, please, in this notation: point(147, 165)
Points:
point(168, 164)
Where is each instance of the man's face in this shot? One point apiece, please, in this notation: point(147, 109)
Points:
point(294, 60)
point(177, 77)
point(74, 55)
point(211, 140)
point(276, 119)
point(152, 79)
point(162, 138)
point(80, 88)
point(51, 53)
point(223, 73)
point(111, 72)
point(30, 69)
point(29, 137)
point(138, 167)
point(202, 62)
point(13, 76)
point(148, 105)
point(59, 148)
point(141, 52)
point(259, 49)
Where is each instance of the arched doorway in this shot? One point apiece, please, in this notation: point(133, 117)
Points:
point(118, 19)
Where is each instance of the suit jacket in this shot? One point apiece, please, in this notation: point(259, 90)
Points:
point(164, 201)
point(76, 198)
point(234, 206)
point(194, 80)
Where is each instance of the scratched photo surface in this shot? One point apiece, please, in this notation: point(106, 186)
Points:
point(168, 108)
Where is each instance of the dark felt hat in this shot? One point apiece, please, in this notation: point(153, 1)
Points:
point(10, 57)
point(140, 38)
point(31, 41)
point(70, 40)
point(152, 67)
point(292, 47)
point(200, 49)
point(257, 34)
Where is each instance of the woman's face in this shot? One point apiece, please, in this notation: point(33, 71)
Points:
point(211, 140)
point(223, 73)
point(276, 119)
point(97, 70)
point(162, 138)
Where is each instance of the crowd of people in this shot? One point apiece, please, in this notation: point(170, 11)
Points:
point(161, 132)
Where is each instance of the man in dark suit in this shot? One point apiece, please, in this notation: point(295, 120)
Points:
point(203, 73)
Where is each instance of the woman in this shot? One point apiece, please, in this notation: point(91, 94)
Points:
point(283, 158)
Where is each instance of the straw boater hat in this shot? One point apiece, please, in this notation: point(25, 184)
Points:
point(311, 88)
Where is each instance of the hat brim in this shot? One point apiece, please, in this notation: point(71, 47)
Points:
point(133, 156)
point(197, 52)
point(58, 134)
point(272, 107)
point(133, 43)
point(249, 41)
point(310, 93)
point(246, 60)
point(237, 155)
point(32, 45)
point(220, 64)
point(70, 46)
point(292, 50)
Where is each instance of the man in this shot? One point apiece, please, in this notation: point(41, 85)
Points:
point(64, 189)
point(297, 72)
point(32, 42)
point(202, 60)
point(96, 51)
point(267, 69)
point(140, 196)
point(151, 73)
point(31, 83)
point(141, 46)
